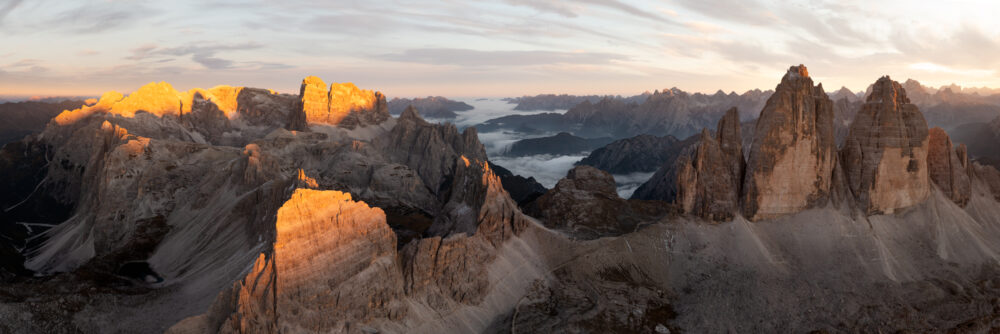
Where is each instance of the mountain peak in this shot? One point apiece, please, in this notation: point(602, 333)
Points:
point(798, 71)
point(336, 104)
point(885, 89)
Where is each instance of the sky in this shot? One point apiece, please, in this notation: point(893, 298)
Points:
point(472, 48)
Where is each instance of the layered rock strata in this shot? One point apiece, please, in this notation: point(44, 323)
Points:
point(791, 160)
point(885, 154)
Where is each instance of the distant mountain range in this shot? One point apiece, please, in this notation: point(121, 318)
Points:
point(553, 102)
point(562, 143)
point(431, 106)
point(668, 112)
point(20, 119)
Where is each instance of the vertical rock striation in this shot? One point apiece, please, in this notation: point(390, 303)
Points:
point(730, 139)
point(793, 153)
point(708, 177)
point(885, 155)
point(333, 260)
point(344, 105)
point(948, 168)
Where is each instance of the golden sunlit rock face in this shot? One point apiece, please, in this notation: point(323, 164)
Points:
point(333, 259)
point(332, 106)
point(159, 99)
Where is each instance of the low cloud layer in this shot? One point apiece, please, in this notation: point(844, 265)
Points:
point(546, 169)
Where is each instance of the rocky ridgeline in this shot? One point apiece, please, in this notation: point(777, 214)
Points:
point(642, 153)
point(198, 186)
point(334, 264)
point(343, 104)
point(888, 161)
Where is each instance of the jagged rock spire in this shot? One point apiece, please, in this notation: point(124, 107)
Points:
point(948, 167)
point(793, 153)
point(885, 155)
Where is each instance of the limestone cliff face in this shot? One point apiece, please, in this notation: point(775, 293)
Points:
point(730, 139)
point(333, 261)
point(213, 115)
point(333, 265)
point(948, 167)
point(708, 177)
point(449, 267)
point(885, 154)
point(343, 104)
point(793, 152)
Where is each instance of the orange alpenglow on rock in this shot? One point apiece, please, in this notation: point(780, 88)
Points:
point(791, 161)
point(160, 99)
point(104, 104)
point(305, 181)
point(333, 259)
point(336, 105)
point(885, 155)
point(155, 98)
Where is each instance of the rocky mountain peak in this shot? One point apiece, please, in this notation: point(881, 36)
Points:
point(844, 93)
point(885, 154)
point(585, 204)
point(592, 179)
point(948, 167)
point(796, 72)
point(885, 89)
point(343, 104)
point(410, 113)
point(793, 152)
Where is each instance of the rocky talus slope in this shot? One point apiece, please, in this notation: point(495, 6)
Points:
point(230, 210)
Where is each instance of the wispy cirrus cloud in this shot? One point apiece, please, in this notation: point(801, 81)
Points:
point(468, 57)
point(8, 7)
point(570, 9)
point(204, 54)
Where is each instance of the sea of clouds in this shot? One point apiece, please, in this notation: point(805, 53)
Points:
point(546, 169)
